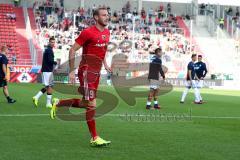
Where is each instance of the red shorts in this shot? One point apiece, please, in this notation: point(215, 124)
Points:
point(89, 81)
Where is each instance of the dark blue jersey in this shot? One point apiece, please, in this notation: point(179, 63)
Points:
point(191, 67)
point(48, 60)
point(201, 69)
point(155, 68)
point(3, 60)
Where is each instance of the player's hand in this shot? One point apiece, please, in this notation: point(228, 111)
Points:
point(191, 82)
point(163, 81)
point(108, 69)
point(72, 77)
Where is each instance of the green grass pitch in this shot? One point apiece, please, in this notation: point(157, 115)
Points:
point(212, 133)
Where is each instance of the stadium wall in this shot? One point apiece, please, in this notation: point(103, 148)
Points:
point(177, 8)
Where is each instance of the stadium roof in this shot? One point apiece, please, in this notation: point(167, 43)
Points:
point(221, 2)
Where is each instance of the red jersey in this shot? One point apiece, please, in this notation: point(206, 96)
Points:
point(94, 43)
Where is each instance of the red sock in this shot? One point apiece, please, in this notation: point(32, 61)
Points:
point(70, 103)
point(90, 113)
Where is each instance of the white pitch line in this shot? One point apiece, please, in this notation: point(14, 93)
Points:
point(23, 115)
point(118, 115)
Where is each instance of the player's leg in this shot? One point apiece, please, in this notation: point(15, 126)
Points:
point(200, 85)
point(185, 92)
point(89, 85)
point(49, 84)
point(45, 81)
point(95, 141)
point(89, 102)
point(196, 92)
point(49, 97)
point(74, 102)
point(154, 85)
point(3, 83)
point(38, 95)
point(90, 114)
point(155, 97)
point(57, 103)
point(149, 100)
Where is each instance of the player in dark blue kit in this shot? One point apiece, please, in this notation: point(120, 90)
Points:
point(3, 74)
point(154, 69)
point(192, 80)
point(201, 72)
point(48, 66)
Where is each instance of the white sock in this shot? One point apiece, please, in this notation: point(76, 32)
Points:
point(155, 102)
point(109, 82)
point(196, 93)
point(38, 95)
point(49, 99)
point(199, 95)
point(184, 94)
point(149, 103)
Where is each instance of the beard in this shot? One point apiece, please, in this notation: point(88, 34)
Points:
point(102, 23)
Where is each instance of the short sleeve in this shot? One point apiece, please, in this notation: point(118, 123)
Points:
point(204, 65)
point(82, 38)
point(189, 66)
point(4, 60)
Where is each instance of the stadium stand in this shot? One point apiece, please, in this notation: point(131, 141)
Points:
point(165, 32)
point(13, 33)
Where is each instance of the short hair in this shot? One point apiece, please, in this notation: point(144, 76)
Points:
point(194, 55)
point(200, 56)
point(4, 48)
point(158, 50)
point(51, 39)
point(96, 11)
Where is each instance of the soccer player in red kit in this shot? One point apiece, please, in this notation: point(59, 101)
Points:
point(94, 41)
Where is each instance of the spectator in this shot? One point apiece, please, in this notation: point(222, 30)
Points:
point(61, 3)
point(93, 8)
point(169, 8)
point(128, 7)
point(143, 15)
point(109, 11)
point(150, 12)
point(129, 17)
point(14, 59)
point(157, 21)
point(237, 12)
point(202, 8)
point(229, 11)
point(135, 12)
point(150, 21)
point(221, 23)
point(16, 3)
point(11, 16)
point(161, 8)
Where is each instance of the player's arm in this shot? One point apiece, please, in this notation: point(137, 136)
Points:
point(4, 68)
point(162, 73)
point(190, 74)
point(72, 53)
point(51, 58)
point(108, 68)
point(196, 77)
point(161, 70)
point(80, 41)
point(71, 61)
point(205, 71)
